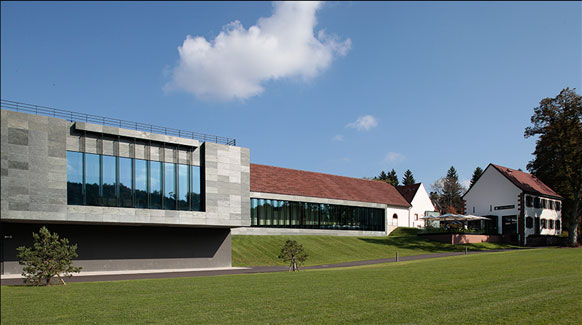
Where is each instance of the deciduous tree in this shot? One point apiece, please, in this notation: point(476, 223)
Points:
point(558, 153)
point(293, 253)
point(446, 193)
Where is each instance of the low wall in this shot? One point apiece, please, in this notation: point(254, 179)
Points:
point(463, 238)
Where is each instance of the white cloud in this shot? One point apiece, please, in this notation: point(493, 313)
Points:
point(365, 122)
point(238, 61)
point(393, 157)
point(466, 183)
point(338, 137)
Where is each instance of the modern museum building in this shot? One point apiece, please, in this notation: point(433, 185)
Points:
point(139, 197)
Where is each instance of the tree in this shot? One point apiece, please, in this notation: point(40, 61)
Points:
point(49, 256)
point(446, 193)
point(293, 253)
point(408, 179)
point(392, 178)
point(383, 176)
point(558, 153)
point(476, 174)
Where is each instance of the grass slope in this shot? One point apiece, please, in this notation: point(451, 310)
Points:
point(263, 250)
point(538, 286)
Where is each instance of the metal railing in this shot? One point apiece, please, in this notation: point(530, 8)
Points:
point(89, 118)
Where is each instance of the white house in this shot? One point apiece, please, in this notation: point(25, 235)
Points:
point(420, 202)
point(518, 203)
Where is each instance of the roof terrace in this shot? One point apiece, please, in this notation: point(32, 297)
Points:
point(89, 118)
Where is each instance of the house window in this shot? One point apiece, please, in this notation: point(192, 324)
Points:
point(550, 204)
point(537, 203)
point(529, 201)
point(558, 206)
point(551, 224)
point(529, 222)
point(558, 225)
point(544, 224)
point(544, 203)
point(416, 216)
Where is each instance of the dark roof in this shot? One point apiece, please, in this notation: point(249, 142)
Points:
point(269, 179)
point(408, 191)
point(526, 182)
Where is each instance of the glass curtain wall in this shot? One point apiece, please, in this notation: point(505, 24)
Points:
point(101, 180)
point(278, 213)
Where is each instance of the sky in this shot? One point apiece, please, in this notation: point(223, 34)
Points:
point(346, 88)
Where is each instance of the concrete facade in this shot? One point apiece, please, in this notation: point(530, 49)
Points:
point(34, 179)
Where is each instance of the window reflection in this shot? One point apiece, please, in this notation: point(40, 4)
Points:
point(141, 184)
point(125, 182)
point(74, 178)
point(109, 183)
point(92, 179)
point(155, 184)
point(278, 213)
point(183, 189)
point(101, 180)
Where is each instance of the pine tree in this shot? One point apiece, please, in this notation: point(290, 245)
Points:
point(408, 179)
point(49, 256)
point(476, 174)
point(392, 178)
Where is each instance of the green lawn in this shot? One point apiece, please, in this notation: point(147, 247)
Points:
point(538, 286)
point(263, 250)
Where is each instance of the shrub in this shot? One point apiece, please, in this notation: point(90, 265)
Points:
point(49, 256)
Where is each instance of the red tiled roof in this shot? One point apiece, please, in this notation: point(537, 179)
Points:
point(408, 191)
point(269, 179)
point(526, 182)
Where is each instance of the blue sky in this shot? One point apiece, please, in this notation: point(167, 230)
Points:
point(432, 84)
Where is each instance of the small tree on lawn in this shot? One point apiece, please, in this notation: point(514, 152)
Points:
point(49, 256)
point(294, 254)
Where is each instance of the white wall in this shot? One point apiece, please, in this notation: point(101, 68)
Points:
point(402, 213)
point(420, 204)
point(491, 190)
point(543, 214)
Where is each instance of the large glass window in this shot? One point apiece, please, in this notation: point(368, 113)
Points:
point(74, 178)
point(170, 186)
point(155, 184)
point(125, 182)
point(277, 213)
point(183, 190)
point(101, 180)
point(109, 182)
point(141, 184)
point(195, 196)
point(92, 179)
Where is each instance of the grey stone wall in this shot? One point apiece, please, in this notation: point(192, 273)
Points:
point(34, 172)
point(33, 167)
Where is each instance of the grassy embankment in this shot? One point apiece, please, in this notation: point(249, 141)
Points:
point(263, 250)
point(540, 286)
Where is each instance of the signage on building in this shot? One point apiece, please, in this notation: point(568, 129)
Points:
point(504, 207)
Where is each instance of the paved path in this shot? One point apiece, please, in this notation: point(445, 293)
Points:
point(248, 270)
